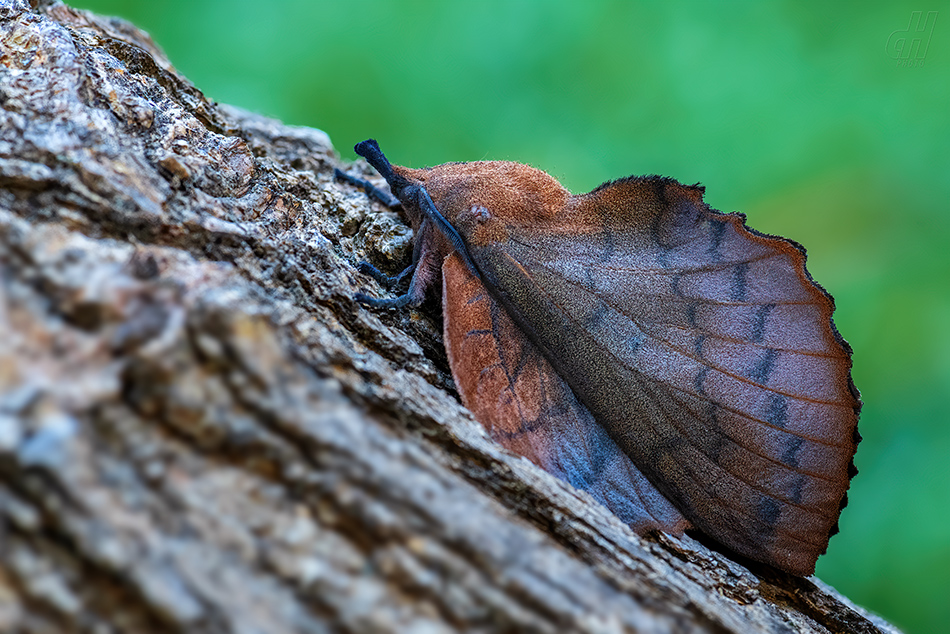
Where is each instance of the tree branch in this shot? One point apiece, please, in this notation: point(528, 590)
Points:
point(202, 431)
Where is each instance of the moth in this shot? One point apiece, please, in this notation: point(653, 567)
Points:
point(679, 366)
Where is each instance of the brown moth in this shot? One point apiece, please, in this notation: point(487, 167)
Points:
point(679, 366)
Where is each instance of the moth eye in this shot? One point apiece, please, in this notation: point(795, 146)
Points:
point(480, 214)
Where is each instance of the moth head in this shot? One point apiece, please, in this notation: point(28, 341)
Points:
point(483, 199)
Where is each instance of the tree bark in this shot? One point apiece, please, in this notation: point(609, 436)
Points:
point(201, 431)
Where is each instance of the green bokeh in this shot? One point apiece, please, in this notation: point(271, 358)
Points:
point(793, 113)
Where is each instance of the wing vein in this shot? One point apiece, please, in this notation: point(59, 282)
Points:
point(712, 268)
point(599, 344)
point(659, 402)
point(727, 502)
point(670, 345)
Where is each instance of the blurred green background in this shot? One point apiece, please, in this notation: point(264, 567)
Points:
point(795, 113)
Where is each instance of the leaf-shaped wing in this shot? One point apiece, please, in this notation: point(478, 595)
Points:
point(513, 390)
point(703, 348)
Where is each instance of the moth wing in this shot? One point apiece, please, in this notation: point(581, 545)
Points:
point(704, 349)
point(523, 403)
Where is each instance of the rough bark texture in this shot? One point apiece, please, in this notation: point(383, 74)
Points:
point(201, 431)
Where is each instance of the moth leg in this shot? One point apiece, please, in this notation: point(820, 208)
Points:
point(386, 281)
point(414, 195)
point(413, 297)
point(371, 190)
point(425, 270)
point(384, 302)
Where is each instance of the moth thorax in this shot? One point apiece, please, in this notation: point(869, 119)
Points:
point(480, 214)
